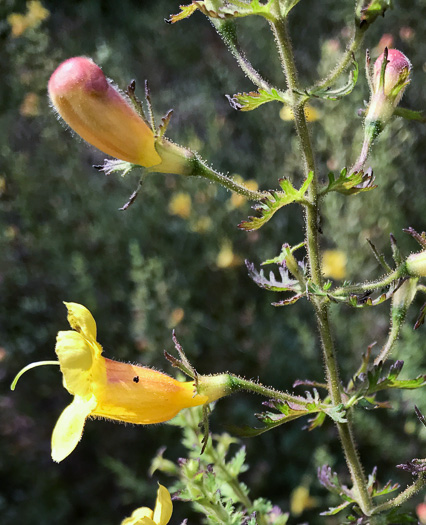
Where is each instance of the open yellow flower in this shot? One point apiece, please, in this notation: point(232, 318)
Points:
point(159, 516)
point(118, 391)
point(109, 389)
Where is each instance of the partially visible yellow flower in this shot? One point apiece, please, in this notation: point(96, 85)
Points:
point(35, 14)
point(159, 516)
point(226, 256)
point(176, 317)
point(237, 200)
point(300, 500)
point(311, 113)
point(30, 106)
point(105, 388)
point(334, 264)
point(180, 204)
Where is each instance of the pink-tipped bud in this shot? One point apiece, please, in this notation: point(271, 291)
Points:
point(99, 113)
point(390, 77)
point(395, 77)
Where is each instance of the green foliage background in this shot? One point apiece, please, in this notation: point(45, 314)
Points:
point(63, 238)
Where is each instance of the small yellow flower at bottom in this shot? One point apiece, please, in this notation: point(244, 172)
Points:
point(159, 516)
point(109, 389)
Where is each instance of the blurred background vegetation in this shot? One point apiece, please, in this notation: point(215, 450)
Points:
point(175, 258)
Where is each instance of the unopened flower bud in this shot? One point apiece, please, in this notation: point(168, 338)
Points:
point(390, 77)
point(97, 111)
point(416, 264)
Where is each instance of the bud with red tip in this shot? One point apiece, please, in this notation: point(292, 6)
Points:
point(103, 117)
point(391, 75)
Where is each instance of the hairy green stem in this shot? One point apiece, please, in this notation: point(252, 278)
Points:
point(370, 286)
point(312, 221)
point(200, 169)
point(238, 383)
point(408, 493)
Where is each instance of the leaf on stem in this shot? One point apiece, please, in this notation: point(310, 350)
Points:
point(268, 206)
point(331, 482)
point(254, 99)
point(286, 411)
point(376, 379)
point(329, 93)
point(351, 184)
point(286, 284)
point(230, 9)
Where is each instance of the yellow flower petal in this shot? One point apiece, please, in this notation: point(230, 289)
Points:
point(334, 264)
point(163, 506)
point(141, 516)
point(69, 427)
point(76, 357)
point(81, 320)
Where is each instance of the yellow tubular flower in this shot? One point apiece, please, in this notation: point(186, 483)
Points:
point(109, 389)
point(159, 516)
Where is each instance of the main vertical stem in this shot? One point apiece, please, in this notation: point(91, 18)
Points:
point(279, 28)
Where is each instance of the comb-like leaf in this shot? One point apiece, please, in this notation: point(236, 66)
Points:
point(351, 184)
point(274, 201)
point(286, 284)
point(254, 99)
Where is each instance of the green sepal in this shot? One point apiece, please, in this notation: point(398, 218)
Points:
point(336, 93)
point(254, 99)
point(351, 184)
point(409, 114)
point(185, 12)
point(268, 206)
